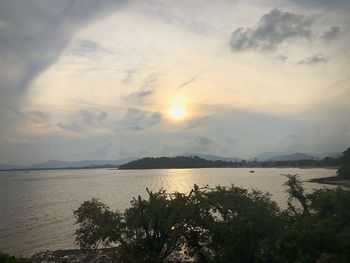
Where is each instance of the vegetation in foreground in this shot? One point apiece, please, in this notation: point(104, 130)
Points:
point(222, 224)
point(344, 170)
point(4, 258)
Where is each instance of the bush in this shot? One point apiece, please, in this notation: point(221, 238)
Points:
point(4, 258)
point(223, 224)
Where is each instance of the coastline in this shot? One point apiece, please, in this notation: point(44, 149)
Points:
point(332, 180)
point(101, 255)
point(74, 255)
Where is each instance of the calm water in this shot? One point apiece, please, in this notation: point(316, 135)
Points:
point(36, 207)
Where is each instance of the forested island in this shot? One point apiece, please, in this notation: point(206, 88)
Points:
point(179, 162)
point(174, 162)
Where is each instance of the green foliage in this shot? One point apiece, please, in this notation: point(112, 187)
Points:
point(98, 225)
point(233, 225)
point(4, 258)
point(223, 224)
point(344, 170)
point(296, 191)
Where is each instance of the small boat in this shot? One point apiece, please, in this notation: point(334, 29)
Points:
point(252, 171)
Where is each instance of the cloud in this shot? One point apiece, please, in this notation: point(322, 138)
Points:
point(85, 46)
point(103, 150)
point(271, 31)
point(91, 118)
point(129, 77)
point(33, 35)
point(137, 120)
point(145, 90)
point(197, 122)
point(187, 82)
point(191, 80)
point(203, 141)
point(313, 60)
point(328, 4)
point(331, 34)
point(84, 119)
point(282, 58)
point(140, 95)
point(230, 140)
point(70, 126)
point(39, 117)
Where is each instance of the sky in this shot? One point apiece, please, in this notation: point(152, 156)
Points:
point(109, 79)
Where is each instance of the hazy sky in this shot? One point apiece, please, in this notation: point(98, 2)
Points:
point(89, 79)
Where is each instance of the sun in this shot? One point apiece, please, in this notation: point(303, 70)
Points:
point(178, 112)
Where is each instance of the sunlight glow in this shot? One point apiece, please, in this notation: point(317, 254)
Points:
point(177, 110)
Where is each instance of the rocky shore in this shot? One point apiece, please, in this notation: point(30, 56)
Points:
point(106, 255)
point(75, 256)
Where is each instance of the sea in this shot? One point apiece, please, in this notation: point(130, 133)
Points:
point(36, 207)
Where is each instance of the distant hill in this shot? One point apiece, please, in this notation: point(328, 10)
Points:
point(266, 156)
point(174, 162)
point(85, 163)
point(56, 164)
point(211, 157)
point(4, 166)
point(293, 157)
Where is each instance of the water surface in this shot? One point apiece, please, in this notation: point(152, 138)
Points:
point(36, 208)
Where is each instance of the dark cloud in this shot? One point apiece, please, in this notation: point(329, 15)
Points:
point(313, 60)
point(271, 30)
point(33, 35)
point(331, 34)
point(328, 4)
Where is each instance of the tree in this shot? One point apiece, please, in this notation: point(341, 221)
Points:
point(223, 224)
point(97, 225)
point(344, 170)
point(149, 231)
point(296, 192)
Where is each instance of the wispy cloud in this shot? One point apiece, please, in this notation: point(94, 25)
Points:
point(136, 120)
point(70, 126)
point(315, 59)
point(199, 122)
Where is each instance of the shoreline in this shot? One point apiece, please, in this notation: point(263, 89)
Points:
point(101, 255)
point(332, 180)
point(74, 255)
